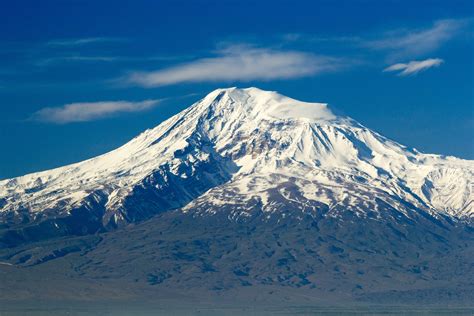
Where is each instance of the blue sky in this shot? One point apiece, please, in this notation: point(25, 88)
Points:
point(79, 78)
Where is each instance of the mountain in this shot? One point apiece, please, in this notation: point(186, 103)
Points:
point(249, 188)
point(248, 150)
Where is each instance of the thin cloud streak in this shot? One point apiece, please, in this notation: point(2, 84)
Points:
point(311, 38)
point(55, 60)
point(239, 63)
point(394, 44)
point(414, 67)
point(89, 111)
point(83, 41)
point(411, 43)
point(105, 59)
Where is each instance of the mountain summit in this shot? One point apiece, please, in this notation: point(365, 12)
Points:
point(242, 153)
point(246, 196)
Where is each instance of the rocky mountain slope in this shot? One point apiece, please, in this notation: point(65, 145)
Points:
point(240, 151)
point(247, 196)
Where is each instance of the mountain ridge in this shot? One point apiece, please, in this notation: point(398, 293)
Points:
point(250, 148)
point(243, 198)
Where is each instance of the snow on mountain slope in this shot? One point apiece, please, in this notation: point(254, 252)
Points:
point(248, 150)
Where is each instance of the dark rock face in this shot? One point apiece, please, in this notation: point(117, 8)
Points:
point(161, 191)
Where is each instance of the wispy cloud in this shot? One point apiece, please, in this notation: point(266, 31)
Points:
point(312, 38)
point(392, 44)
point(239, 63)
point(83, 41)
point(89, 111)
point(414, 67)
point(76, 58)
point(411, 43)
point(105, 59)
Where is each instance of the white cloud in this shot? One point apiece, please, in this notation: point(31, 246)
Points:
point(83, 41)
point(54, 60)
point(239, 63)
point(410, 43)
point(108, 59)
point(414, 67)
point(89, 58)
point(312, 38)
point(89, 111)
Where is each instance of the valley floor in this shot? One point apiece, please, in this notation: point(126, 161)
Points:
point(179, 264)
point(178, 308)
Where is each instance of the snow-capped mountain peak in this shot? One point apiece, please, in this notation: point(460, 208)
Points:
point(270, 105)
point(251, 151)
